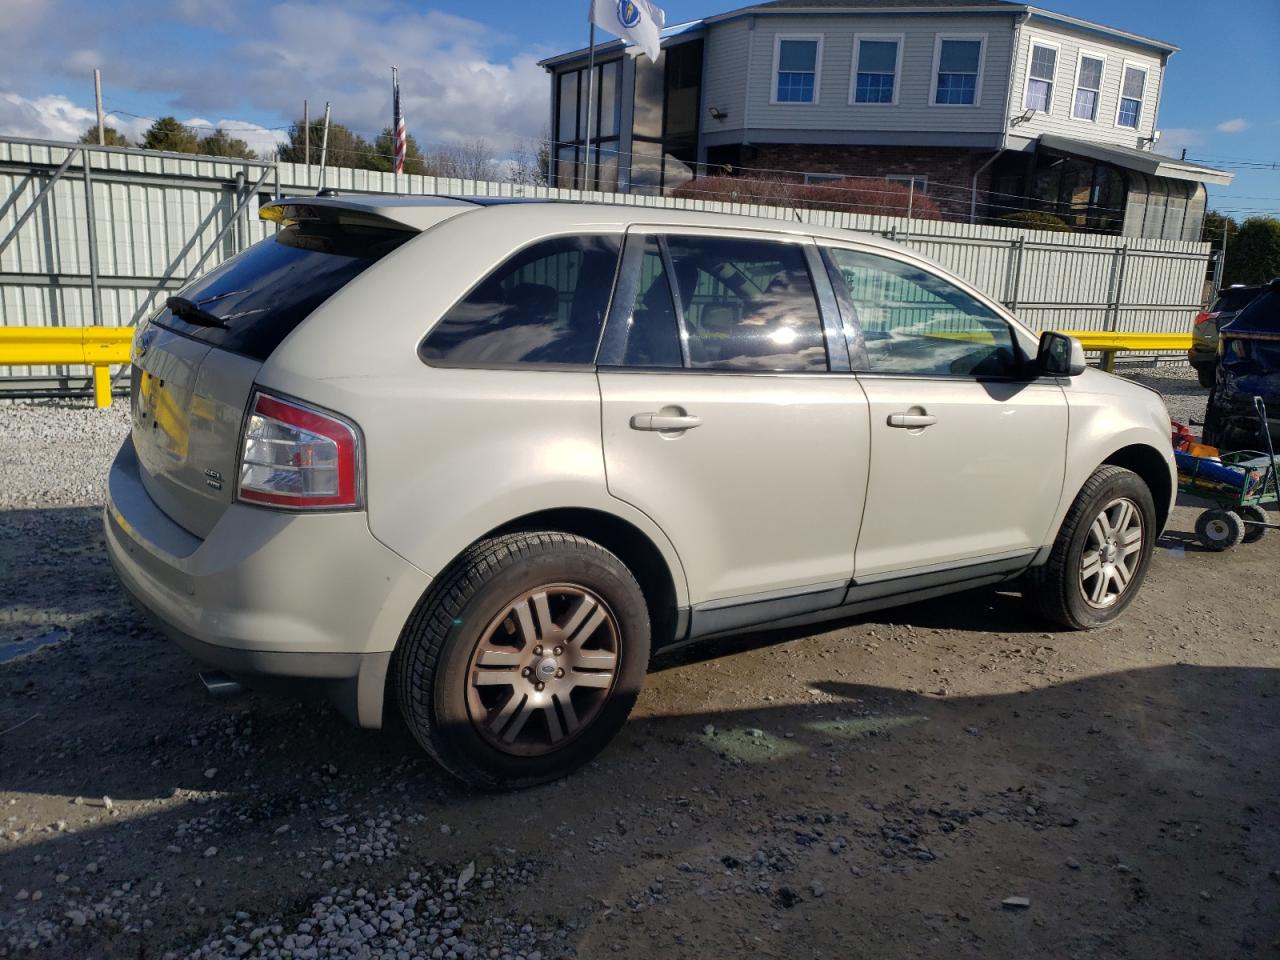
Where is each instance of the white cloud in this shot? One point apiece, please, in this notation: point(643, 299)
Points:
point(57, 118)
point(44, 118)
point(1235, 125)
point(460, 78)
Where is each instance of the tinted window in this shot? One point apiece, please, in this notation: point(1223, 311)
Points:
point(544, 305)
point(263, 294)
point(652, 335)
point(914, 322)
point(748, 304)
point(1230, 301)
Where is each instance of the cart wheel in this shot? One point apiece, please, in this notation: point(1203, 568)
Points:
point(1255, 514)
point(1220, 529)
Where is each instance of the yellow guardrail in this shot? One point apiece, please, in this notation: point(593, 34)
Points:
point(1111, 342)
point(98, 347)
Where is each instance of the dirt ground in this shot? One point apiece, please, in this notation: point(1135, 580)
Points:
point(876, 789)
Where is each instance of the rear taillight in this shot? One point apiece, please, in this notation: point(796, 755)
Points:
point(298, 457)
point(1204, 316)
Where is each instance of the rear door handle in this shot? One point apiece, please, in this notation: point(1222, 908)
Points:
point(912, 421)
point(664, 422)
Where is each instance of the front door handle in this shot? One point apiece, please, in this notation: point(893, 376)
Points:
point(664, 422)
point(912, 421)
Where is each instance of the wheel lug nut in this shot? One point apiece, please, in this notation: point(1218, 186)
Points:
point(537, 651)
point(560, 672)
point(539, 686)
point(525, 672)
point(558, 650)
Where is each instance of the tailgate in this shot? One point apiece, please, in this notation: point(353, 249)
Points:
point(188, 405)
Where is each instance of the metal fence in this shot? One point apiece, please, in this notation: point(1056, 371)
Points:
point(98, 235)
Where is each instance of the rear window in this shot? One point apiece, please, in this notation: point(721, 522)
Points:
point(1230, 301)
point(263, 294)
point(545, 305)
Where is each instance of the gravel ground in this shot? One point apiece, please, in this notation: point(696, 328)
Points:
point(944, 779)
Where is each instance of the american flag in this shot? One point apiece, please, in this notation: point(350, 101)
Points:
point(397, 122)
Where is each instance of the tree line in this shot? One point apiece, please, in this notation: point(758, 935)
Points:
point(1252, 247)
point(472, 160)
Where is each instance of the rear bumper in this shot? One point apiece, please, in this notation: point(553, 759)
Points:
point(267, 593)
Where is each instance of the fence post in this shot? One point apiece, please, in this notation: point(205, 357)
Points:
point(1117, 292)
point(242, 218)
point(1013, 276)
point(95, 294)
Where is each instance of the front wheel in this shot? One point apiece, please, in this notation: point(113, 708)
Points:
point(1220, 530)
point(1101, 553)
point(524, 660)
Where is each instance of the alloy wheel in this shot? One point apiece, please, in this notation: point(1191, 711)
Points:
point(1112, 553)
point(543, 669)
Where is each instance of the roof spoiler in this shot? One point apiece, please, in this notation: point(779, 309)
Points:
point(413, 214)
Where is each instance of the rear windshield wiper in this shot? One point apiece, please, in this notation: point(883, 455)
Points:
point(192, 312)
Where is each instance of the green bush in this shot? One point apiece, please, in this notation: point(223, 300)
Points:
point(1036, 220)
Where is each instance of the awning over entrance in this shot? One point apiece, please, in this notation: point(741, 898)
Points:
point(1141, 161)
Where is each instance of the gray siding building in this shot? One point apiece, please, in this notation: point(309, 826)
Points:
point(987, 107)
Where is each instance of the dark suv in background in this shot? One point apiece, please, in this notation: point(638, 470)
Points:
point(1203, 354)
point(1248, 367)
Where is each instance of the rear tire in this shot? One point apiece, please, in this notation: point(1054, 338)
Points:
point(472, 689)
point(1208, 376)
point(1101, 554)
point(1254, 514)
point(1220, 530)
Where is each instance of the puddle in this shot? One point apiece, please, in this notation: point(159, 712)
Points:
point(20, 648)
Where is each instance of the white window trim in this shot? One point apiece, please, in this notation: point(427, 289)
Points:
point(1102, 82)
point(937, 57)
point(1142, 103)
point(900, 40)
point(920, 178)
point(817, 70)
point(1034, 42)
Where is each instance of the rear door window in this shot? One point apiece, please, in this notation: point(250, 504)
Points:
point(747, 304)
point(262, 295)
point(544, 305)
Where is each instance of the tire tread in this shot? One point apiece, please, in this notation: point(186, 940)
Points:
point(425, 633)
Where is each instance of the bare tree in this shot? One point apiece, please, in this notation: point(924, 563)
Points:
point(531, 162)
point(472, 160)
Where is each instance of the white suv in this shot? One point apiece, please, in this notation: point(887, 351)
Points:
point(490, 456)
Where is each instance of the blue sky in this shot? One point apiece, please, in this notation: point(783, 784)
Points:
point(469, 68)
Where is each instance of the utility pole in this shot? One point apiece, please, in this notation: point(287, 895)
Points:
point(324, 144)
point(97, 96)
point(306, 140)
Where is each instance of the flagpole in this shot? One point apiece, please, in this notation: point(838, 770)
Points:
point(591, 93)
point(395, 128)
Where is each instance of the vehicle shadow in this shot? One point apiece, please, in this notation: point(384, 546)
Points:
point(1135, 809)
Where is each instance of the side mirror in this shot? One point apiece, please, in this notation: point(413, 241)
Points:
point(1060, 356)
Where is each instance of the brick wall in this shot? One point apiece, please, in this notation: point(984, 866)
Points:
point(950, 170)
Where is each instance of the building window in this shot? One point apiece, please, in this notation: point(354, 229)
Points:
point(668, 92)
point(918, 183)
point(1088, 87)
point(1131, 91)
point(796, 64)
point(1040, 76)
point(957, 66)
point(876, 65)
point(572, 128)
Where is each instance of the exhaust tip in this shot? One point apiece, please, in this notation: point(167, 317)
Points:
point(220, 686)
